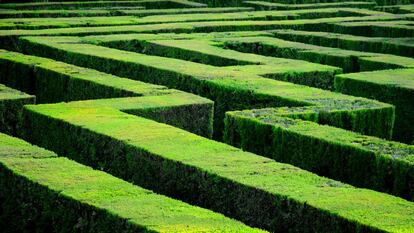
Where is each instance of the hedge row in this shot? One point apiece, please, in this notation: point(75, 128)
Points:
point(229, 89)
point(268, 5)
point(8, 37)
point(90, 4)
point(390, 86)
point(397, 9)
point(353, 158)
point(43, 193)
point(349, 61)
point(396, 46)
point(53, 81)
point(393, 2)
point(298, 2)
point(42, 23)
point(396, 29)
point(256, 190)
point(204, 51)
point(103, 12)
point(11, 105)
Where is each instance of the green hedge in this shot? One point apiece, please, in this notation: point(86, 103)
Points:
point(53, 81)
point(294, 2)
point(230, 89)
point(90, 4)
point(349, 61)
point(390, 86)
point(91, 13)
point(43, 193)
point(376, 29)
point(268, 5)
point(11, 105)
point(350, 157)
point(43, 23)
point(293, 50)
point(396, 46)
point(8, 37)
point(253, 189)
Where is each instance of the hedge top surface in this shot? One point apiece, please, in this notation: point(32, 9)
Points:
point(17, 148)
point(401, 78)
point(364, 206)
point(400, 62)
point(139, 206)
point(170, 100)
point(7, 93)
point(165, 36)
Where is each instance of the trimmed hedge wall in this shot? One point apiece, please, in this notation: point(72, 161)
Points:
point(53, 81)
point(230, 90)
point(92, 13)
point(268, 5)
point(390, 86)
point(11, 105)
point(349, 61)
point(90, 4)
point(394, 29)
point(258, 191)
point(43, 193)
point(343, 155)
point(396, 46)
point(8, 37)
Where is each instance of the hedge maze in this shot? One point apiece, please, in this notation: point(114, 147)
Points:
point(207, 116)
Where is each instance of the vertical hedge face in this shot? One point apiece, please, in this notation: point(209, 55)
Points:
point(147, 91)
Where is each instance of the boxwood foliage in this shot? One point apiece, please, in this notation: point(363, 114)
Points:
point(332, 152)
point(256, 190)
point(43, 193)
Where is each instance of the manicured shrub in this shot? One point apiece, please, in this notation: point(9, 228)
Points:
point(332, 152)
point(41, 192)
point(11, 105)
point(253, 189)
